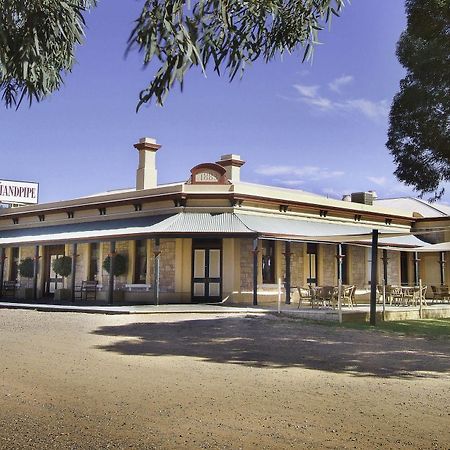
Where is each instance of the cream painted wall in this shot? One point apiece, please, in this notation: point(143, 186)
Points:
point(183, 268)
point(228, 273)
point(429, 269)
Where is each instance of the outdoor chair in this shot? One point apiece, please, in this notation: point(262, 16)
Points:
point(322, 295)
point(440, 293)
point(395, 295)
point(380, 293)
point(305, 294)
point(348, 294)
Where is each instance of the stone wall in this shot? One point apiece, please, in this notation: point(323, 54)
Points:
point(393, 268)
point(357, 267)
point(80, 265)
point(327, 255)
point(167, 266)
point(297, 264)
point(246, 263)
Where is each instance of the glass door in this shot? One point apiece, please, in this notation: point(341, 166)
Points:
point(52, 280)
point(207, 270)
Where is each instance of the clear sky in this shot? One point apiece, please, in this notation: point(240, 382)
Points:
point(319, 127)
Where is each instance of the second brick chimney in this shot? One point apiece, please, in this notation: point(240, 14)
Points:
point(232, 164)
point(146, 174)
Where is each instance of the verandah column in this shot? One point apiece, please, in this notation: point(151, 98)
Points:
point(112, 254)
point(2, 268)
point(255, 271)
point(416, 269)
point(287, 285)
point(74, 269)
point(442, 268)
point(156, 253)
point(385, 260)
point(35, 271)
point(374, 278)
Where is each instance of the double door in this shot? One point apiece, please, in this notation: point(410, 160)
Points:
point(206, 270)
point(52, 280)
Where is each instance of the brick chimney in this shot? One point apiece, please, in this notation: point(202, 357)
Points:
point(146, 174)
point(232, 164)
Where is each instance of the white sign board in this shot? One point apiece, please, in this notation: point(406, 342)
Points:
point(21, 192)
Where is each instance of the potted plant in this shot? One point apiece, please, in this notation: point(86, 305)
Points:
point(26, 270)
point(63, 266)
point(120, 268)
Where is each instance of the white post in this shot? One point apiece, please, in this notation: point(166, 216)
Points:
point(279, 295)
point(420, 298)
point(384, 300)
point(339, 301)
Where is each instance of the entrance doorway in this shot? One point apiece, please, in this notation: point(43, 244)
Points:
point(207, 270)
point(51, 280)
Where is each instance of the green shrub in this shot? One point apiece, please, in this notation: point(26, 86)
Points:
point(62, 266)
point(120, 264)
point(26, 268)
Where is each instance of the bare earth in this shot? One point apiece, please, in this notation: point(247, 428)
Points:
point(83, 381)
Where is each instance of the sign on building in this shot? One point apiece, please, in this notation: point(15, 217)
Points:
point(19, 192)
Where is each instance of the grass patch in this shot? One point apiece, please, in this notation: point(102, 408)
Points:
point(433, 328)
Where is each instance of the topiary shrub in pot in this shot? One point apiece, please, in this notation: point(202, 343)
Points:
point(26, 270)
point(63, 266)
point(120, 268)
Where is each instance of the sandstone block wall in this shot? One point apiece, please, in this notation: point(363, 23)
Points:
point(327, 258)
point(297, 264)
point(246, 264)
point(167, 266)
point(358, 265)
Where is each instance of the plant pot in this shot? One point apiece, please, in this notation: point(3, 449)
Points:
point(63, 294)
point(118, 296)
point(25, 293)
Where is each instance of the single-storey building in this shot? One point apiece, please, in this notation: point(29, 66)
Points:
point(214, 237)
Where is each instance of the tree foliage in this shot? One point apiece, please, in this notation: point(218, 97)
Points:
point(38, 37)
point(26, 268)
point(120, 264)
point(419, 132)
point(223, 34)
point(37, 45)
point(62, 266)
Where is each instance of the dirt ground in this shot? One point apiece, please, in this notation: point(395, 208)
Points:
point(85, 381)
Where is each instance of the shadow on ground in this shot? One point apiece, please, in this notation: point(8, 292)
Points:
point(275, 343)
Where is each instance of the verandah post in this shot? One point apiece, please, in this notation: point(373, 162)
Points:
point(385, 266)
point(340, 257)
point(35, 271)
point(74, 269)
point(374, 278)
point(112, 254)
point(2, 269)
point(255, 271)
point(416, 269)
point(442, 268)
point(156, 253)
point(287, 256)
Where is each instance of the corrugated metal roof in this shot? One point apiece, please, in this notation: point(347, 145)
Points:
point(186, 223)
point(83, 231)
point(203, 223)
point(411, 205)
point(284, 226)
point(181, 223)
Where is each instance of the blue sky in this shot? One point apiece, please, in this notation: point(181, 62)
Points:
point(319, 127)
